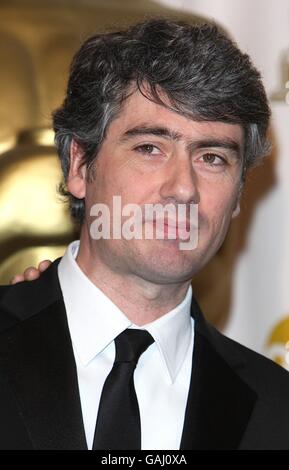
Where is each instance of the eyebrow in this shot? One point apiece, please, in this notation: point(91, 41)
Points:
point(192, 145)
point(158, 131)
point(223, 142)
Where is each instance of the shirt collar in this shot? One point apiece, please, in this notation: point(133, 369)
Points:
point(95, 321)
point(172, 333)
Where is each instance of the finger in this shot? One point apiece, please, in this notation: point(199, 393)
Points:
point(17, 278)
point(43, 265)
point(31, 273)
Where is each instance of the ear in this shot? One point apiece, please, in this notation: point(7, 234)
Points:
point(236, 211)
point(76, 180)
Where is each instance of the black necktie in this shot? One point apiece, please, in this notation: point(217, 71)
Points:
point(118, 419)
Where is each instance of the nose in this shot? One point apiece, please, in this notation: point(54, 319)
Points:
point(180, 183)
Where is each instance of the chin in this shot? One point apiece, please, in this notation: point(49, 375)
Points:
point(164, 262)
point(166, 270)
point(165, 277)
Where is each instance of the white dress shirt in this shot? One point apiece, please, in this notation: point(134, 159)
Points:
point(163, 373)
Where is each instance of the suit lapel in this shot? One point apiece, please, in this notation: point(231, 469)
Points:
point(37, 359)
point(220, 403)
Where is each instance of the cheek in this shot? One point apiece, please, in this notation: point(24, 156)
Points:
point(133, 187)
point(130, 190)
point(104, 185)
point(217, 205)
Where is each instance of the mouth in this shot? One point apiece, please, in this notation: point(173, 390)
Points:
point(171, 229)
point(182, 230)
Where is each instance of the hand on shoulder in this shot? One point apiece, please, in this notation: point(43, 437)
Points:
point(31, 273)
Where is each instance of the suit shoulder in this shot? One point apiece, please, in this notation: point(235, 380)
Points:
point(23, 300)
point(7, 318)
point(258, 371)
point(3, 290)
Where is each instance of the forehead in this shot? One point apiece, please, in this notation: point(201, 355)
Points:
point(138, 110)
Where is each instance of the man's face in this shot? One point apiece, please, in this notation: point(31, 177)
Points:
point(153, 155)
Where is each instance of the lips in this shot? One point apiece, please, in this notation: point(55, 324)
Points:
point(171, 229)
point(181, 229)
point(185, 225)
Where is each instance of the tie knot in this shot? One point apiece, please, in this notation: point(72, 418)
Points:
point(130, 345)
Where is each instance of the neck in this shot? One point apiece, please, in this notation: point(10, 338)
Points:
point(140, 300)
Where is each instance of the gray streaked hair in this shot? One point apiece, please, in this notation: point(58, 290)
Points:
point(200, 71)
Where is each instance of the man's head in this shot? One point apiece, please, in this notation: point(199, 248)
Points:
point(162, 112)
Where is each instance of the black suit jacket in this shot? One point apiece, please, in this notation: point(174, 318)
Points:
point(237, 398)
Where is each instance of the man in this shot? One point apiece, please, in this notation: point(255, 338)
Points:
point(108, 349)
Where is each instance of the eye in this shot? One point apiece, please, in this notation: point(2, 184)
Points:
point(149, 149)
point(213, 159)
